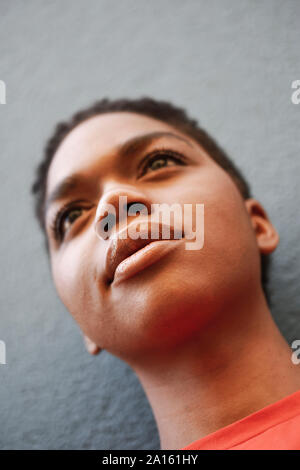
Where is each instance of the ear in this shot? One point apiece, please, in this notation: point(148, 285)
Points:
point(266, 236)
point(91, 347)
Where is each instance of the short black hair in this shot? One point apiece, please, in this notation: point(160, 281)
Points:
point(161, 110)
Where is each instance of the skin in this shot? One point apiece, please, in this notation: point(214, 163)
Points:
point(195, 326)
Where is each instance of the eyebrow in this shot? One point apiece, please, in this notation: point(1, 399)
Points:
point(130, 147)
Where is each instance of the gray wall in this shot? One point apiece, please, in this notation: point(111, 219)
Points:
point(231, 64)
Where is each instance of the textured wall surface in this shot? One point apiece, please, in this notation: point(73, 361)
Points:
point(231, 64)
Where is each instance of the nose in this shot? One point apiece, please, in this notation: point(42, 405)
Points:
point(115, 206)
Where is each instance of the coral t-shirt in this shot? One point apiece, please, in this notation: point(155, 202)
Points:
point(275, 427)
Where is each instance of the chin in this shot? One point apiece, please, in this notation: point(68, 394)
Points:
point(162, 306)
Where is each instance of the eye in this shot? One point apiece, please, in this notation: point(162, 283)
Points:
point(63, 221)
point(69, 218)
point(161, 160)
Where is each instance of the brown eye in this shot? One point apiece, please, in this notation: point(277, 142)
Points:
point(66, 217)
point(69, 218)
point(65, 220)
point(160, 161)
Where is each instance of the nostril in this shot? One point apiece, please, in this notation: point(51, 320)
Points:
point(104, 226)
point(108, 216)
point(136, 207)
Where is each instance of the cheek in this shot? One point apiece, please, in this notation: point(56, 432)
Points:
point(230, 239)
point(72, 274)
point(230, 255)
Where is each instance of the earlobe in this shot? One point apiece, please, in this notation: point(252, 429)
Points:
point(91, 347)
point(266, 235)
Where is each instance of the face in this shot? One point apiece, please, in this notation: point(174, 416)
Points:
point(161, 296)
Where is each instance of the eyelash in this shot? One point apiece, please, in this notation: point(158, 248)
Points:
point(150, 157)
point(56, 225)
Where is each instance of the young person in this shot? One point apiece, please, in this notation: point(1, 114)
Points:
point(194, 325)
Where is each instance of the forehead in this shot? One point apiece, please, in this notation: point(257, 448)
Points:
point(97, 137)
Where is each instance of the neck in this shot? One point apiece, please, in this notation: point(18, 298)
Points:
point(232, 368)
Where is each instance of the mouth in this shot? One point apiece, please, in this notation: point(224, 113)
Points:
point(127, 256)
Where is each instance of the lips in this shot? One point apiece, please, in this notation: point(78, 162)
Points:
point(122, 248)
